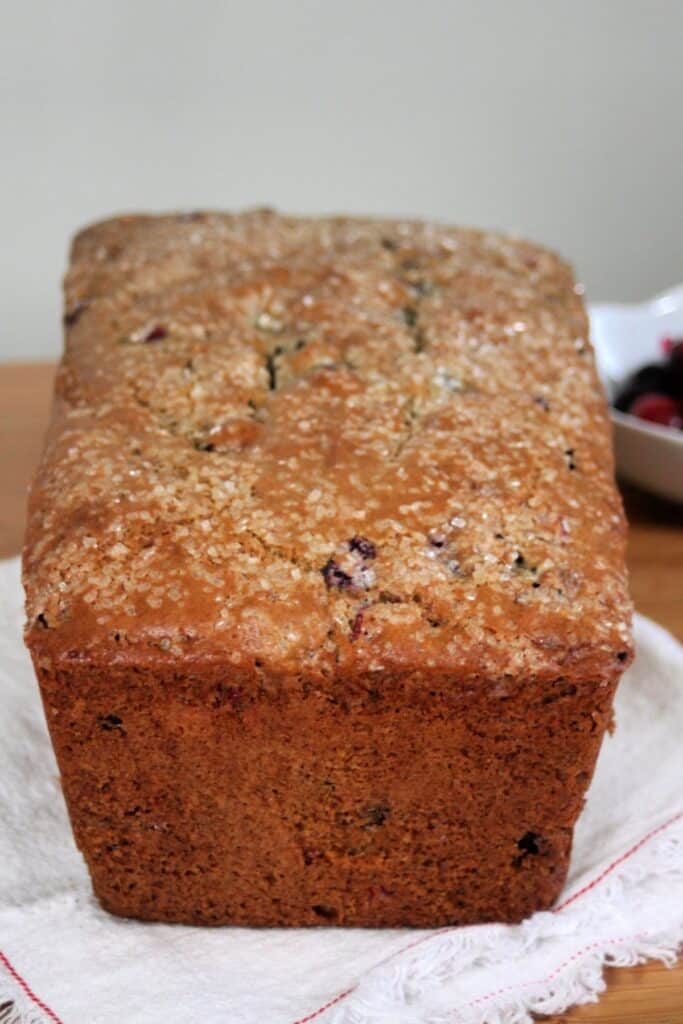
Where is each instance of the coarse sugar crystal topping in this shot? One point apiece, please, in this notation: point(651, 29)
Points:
point(319, 441)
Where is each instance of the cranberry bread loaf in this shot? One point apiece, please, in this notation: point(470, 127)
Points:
point(324, 570)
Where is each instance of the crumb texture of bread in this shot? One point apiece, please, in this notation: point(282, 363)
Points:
point(325, 574)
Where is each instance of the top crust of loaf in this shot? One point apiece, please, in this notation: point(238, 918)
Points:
point(326, 446)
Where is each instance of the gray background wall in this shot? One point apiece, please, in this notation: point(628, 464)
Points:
point(558, 120)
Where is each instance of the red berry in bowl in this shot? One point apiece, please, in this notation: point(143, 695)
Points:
point(675, 368)
point(657, 408)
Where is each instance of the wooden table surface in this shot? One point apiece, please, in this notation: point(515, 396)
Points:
point(650, 994)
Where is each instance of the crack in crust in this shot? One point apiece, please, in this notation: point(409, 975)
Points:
point(298, 383)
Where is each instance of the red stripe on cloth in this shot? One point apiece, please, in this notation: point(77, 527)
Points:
point(327, 1006)
point(554, 973)
point(443, 931)
point(384, 960)
point(27, 990)
point(619, 860)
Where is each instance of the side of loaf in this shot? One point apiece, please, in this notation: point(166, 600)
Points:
point(324, 569)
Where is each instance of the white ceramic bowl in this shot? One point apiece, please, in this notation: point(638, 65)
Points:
point(626, 336)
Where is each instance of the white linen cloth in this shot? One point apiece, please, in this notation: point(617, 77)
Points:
point(65, 960)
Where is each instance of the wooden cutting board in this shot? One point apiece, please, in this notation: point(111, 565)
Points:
point(650, 994)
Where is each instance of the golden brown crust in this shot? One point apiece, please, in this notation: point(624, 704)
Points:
point(325, 570)
point(243, 395)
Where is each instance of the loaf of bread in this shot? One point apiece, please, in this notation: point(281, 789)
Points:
point(325, 570)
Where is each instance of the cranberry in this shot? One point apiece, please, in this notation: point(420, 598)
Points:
point(676, 369)
point(156, 333)
point(529, 843)
point(364, 547)
point(335, 576)
point(671, 346)
point(657, 408)
point(109, 722)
